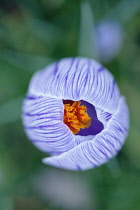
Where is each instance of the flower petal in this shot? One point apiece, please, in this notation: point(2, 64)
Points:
point(105, 145)
point(77, 79)
point(43, 122)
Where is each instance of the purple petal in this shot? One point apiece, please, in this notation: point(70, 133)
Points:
point(96, 126)
point(104, 146)
point(43, 122)
point(77, 79)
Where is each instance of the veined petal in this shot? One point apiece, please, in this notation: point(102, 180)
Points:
point(105, 145)
point(77, 79)
point(103, 116)
point(43, 122)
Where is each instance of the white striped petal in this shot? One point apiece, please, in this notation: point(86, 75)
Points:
point(104, 146)
point(42, 119)
point(77, 79)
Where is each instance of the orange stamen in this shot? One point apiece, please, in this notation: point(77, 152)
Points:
point(76, 117)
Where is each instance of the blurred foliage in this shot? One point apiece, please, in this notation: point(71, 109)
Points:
point(35, 33)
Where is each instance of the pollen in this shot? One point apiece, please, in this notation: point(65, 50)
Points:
point(76, 116)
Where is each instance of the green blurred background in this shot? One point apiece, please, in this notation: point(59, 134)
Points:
point(33, 34)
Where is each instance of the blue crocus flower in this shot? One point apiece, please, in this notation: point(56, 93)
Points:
point(74, 111)
point(109, 38)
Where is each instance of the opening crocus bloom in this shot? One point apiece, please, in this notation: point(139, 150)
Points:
point(74, 111)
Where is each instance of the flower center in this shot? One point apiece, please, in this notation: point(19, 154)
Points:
point(76, 117)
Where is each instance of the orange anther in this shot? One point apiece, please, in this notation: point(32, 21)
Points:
point(76, 117)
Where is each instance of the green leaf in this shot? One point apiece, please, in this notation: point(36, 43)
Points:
point(87, 44)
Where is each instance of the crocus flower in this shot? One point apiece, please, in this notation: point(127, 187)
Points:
point(109, 39)
point(74, 111)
